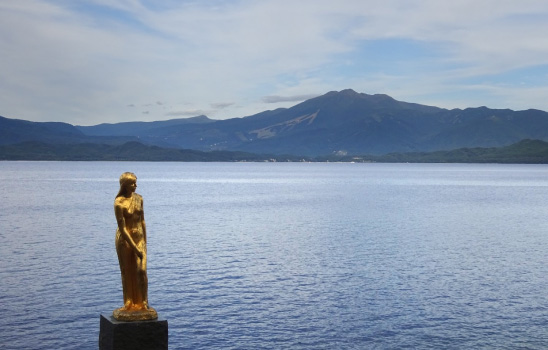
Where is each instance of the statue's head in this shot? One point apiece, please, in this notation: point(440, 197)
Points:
point(126, 179)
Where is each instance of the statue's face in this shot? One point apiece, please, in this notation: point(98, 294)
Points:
point(131, 185)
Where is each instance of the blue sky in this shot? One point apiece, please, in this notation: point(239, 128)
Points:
point(87, 62)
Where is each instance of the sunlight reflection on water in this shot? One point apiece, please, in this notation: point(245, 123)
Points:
point(270, 256)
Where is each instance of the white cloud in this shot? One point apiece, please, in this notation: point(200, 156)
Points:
point(222, 105)
point(85, 62)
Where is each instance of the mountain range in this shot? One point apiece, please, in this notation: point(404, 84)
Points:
point(336, 123)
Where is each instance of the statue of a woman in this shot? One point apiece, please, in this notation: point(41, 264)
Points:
point(131, 240)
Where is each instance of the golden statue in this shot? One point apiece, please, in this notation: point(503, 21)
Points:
point(131, 246)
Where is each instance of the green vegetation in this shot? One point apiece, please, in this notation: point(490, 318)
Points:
point(130, 151)
point(525, 151)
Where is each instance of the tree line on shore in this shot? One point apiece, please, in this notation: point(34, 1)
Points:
point(525, 151)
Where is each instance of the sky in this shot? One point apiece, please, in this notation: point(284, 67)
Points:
point(87, 62)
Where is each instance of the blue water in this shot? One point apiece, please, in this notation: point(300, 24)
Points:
point(283, 256)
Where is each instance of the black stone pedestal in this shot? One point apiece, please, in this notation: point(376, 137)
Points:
point(134, 335)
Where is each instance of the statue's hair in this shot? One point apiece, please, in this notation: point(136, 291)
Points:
point(124, 179)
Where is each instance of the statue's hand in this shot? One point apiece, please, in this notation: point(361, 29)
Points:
point(139, 253)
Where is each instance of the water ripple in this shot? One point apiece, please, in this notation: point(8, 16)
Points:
point(283, 256)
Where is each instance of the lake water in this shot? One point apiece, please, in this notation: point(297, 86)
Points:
point(283, 255)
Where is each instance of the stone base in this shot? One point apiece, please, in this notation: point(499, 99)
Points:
point(135, 335)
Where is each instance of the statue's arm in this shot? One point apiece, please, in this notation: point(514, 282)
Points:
point(119, 212)
point(143, 221)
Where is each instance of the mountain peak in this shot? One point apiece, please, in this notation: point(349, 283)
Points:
point(349, 92)
point(353, 93)
point(349, 96)
point(345, 120)
point(345, 92)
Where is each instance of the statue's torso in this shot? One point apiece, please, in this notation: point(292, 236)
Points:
point(132, 210)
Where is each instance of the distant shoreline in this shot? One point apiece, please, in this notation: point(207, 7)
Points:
point(523, 152)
